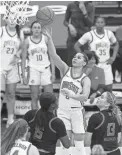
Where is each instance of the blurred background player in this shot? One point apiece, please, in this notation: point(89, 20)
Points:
point(14, 141)
point(35, 49)
point(104, 127)
point(45, 127)
point(95, 74)
point(79, 18)
point(10, 46)
point(74, 90)
point(117, 65)
point(100, 40)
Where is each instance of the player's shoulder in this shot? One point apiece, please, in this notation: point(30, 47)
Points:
point(109, 32)
point(57, 122)
point(30, 115)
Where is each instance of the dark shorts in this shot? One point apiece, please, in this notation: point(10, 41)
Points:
point(42, 153)
point(117, 152)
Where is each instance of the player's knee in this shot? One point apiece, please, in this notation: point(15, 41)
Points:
point(34, 96)
point(10, 95)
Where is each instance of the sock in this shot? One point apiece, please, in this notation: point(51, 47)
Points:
point(10, 118)
point(80, 149)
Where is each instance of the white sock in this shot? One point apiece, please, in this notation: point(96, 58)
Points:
point(79, 145)
point(10, 118)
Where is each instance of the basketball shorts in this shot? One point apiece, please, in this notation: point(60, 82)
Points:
point(9, 77)
point(40, 78)
point(108, 73)
point(73, 119)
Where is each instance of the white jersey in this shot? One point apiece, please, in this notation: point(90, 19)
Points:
point(38, 54)
point(99, 43)
point(9, 47)
point(20, 147)
point(74, 85)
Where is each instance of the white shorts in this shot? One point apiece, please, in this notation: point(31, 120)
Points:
point(73, 119)
point(8, 77)
point(40, 78)
point(108, 73)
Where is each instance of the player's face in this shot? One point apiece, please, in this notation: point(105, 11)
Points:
point(78, 60)
point(92, 61)
point(101, 103)
point(100, 23)
point(36, 29)
point(11, 21)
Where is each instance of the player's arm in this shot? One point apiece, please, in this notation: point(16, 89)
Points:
point(82, 41)
point(67, 16)
point(119, 137)
point(1, 31)
point(33, 150)
point(24, 56)
point(60, 129)
point(115, 45)
point(61, 65)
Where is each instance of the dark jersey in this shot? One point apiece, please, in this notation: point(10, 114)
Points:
point(46, 138)
point(105, 129)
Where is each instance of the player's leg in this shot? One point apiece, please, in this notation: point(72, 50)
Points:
point(77, 122)
point(2, 88)
point(12, 78)
point(10, 95)
point(34, 83)
point(46, 80)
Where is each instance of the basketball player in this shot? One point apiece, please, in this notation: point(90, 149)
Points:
point(14, 140)
point(10, 50)
point(45, 127)
point(104, 127)
point(36, 48)
point(74, 90)
point(100, 41)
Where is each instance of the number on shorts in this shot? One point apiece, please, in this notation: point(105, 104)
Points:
point(10, 50)
point(111, 129)
point(39, 57)
point(16, 152)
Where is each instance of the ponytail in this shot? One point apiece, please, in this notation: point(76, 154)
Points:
point(111, 98)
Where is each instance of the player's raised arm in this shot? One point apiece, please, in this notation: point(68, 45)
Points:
point(61, 65)
point(24, 56)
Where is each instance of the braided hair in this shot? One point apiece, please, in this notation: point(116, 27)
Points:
point(15, 131)
point(111, 99)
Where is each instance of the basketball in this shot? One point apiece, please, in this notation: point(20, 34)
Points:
point(45, 15)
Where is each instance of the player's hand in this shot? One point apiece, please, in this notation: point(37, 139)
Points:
point(25, 81)
point(72, 30)
point(66, 93)
point(82, 7)
point(92, 97)
point(110, 61)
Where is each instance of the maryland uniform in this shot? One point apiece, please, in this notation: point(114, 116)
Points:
point(39, 62)
point(20, 147)
point(9, 47)
point(101, 45)
point(70, 110)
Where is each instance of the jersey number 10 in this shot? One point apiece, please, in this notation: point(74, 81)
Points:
point(39, 57)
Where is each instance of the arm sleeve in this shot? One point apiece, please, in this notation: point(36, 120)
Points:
point(85, 38)
point(93, 123)
point(112, 37)
point(59, 127)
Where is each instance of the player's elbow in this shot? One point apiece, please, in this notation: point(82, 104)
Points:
point(77, 47)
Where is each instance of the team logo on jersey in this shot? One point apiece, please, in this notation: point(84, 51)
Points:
point(101, 45)
point(38, 50)
point(70, 86)
point(11, 43)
